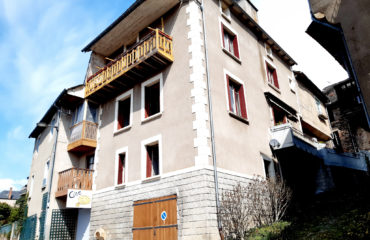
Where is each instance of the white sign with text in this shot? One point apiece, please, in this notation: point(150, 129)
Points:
point(79, 198)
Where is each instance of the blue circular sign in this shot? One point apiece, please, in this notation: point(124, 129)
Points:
point(163, 215)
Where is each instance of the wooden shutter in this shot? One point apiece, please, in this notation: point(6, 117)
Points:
point(243, 107)
point(276, 82)
point(121, 159)
point(235, 45)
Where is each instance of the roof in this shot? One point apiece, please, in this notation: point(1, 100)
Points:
point(302, 78)
point(15, 195)
point(63, 100)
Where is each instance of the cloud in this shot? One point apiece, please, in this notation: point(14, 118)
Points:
point(7, 183)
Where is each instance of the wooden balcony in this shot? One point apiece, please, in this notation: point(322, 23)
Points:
point(144, 59)
point(74, 178)
point(83, 137)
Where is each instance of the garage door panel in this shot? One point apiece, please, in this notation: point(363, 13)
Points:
point(169, 208)
point(143, 215)
point(143, 234)
point(169, 233)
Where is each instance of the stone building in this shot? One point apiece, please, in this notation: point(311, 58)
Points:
point(181, 100)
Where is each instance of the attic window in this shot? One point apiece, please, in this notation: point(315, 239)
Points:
point(268, 51)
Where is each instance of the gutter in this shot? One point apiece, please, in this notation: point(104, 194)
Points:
point(219, 223)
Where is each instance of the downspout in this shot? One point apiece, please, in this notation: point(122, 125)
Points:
point(350, 69)
point(219, 224)
point(52, 166)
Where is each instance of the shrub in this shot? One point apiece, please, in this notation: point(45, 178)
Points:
point(270, 232)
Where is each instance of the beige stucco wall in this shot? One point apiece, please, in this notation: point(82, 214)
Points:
point(310, 112)
point(239, 145)
point(174, 125)
point(10, 202)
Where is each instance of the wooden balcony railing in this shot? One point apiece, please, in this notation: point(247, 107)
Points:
point(74, 178)
point(155, 42)
point(83, 136)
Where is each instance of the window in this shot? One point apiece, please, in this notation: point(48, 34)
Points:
point(272, 169)
point(37, 143)
point(268, 51)
point(121, 166)
point(236, 97)
point(52, 125)
point(46, 173)
point(225, 10)
point(229, 41)
point(31, 186)
point(92, 112)
point(123, 111)
point(292, 84)
point(279, 115)
point(90, 162)
point(272, 75)
point(318, 105)
point(151, 157)
point(152, 99)
point(78, 115)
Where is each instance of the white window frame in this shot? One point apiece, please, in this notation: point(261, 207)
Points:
point(230, 29)
point(271, 169)
point(149, 141)
point(122, 97)
point(238, 80)
point(151, 81)
point(37, 143)
point(318, 106)
point(118, 152)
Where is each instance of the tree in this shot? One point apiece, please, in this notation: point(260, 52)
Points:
point(5, 211)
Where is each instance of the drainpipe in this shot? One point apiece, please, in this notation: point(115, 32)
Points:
point(350, 69)
point(52, 165)
point(219, 224)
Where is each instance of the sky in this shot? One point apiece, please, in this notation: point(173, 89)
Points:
point(40, 55)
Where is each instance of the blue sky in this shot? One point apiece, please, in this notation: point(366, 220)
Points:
point(40, 46)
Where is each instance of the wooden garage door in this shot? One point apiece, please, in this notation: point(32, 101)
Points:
point(155, 219)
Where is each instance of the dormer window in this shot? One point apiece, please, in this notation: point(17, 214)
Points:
point(268, 51)
point(225, 10)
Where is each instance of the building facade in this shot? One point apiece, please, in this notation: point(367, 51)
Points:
point(181, 101)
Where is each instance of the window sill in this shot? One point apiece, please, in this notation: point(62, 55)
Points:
point(231, 55)
point(275, 88)
point(238, 117)
point(122, 130)
point(270, 56)
point(155, 116)
point(292, 90)
point(151, 179)
point(120, 186)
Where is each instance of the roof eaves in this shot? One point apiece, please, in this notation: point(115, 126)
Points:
point(135, 5)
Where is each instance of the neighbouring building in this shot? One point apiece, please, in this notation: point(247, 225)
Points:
point(10, 197)
point(180, 102)
point(342, 28)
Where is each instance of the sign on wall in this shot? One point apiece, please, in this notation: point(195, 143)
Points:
point(79, 198)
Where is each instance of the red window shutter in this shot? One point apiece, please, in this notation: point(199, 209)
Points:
point(148, 162)
point(276, 82)
point(236, 47)
point(228, 91)
point(223, 35)
point(243, 108)
point(120, 169)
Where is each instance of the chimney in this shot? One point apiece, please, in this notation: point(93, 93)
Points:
point(10, 193)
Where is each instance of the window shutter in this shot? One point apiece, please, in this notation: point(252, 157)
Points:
point(276, 83)
point(148, 162)
point(228, 91)
point(120, 169)
point(236, 48)
point(243, 107)
point(223, 35)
